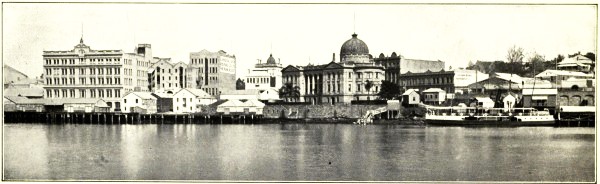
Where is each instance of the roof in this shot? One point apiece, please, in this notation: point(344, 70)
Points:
point(13, 69)
point(143, 95)
point(484, 99)
point(549, 73)
point(577, 59)
point(242, 92)
point(433, 90)
point(24, 100)
point(510, 77)
point(354, 46)
point(254, 103)
point(162, 95)
point(25, 92)
point(62, 101)
point(199, 93)
point(232, 103)
point(540, 91)
point(409, 91)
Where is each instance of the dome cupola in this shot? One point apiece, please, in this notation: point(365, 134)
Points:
point(271, 60)
point(354, 48)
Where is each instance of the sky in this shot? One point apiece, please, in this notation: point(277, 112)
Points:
point(297, 34)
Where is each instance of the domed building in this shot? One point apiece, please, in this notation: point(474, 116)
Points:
point(354, 51)
point(337, 82)
point(265, 75)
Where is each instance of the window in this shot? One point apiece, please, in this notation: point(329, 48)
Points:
point(136, 100)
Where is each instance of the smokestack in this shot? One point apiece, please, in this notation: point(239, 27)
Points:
point(333, 57)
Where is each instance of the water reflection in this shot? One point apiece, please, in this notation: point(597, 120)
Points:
point(297, 152)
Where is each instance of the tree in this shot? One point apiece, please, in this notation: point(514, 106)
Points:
point(389, 90)
point(591, 56)
point(368, 86)
point(535, 65)
point(290, 91)
point(515, 55)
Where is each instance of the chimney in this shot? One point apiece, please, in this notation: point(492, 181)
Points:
point(333, 57)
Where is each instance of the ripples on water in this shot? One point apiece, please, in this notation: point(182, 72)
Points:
point(297, 152)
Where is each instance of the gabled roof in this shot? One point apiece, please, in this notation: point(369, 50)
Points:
point(577, 59)
point(242, 92)
point(551, 73)
point(254, 103)
point(142, 95)
point(24, 100)
point(24, 92)
point(409, 91)
point(199, 93)
point(232, 103)
point(333, 65)
point(510, 77)
point(290, 68)
point(433, 90)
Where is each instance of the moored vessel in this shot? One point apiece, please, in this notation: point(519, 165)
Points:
point(448, 116)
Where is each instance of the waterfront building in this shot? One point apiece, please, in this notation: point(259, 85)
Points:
point(165, 76)
point(269, 95)
point(86, 73)
point(164, 102)
point(498, 81)
point(249, 107)
point(455, 81)
point(264, 75)
point(82, 104)
point(434, 96)
point(213, 72)
point(189, 100)
point(577, 63)
point(411, 97)
point(396, 64)
point(11, 75)
point(23, 104)
point(509, 101)
point(338, 82)
point(248, 94)
point(540, 98)
point(568, 79)
point(139, 102)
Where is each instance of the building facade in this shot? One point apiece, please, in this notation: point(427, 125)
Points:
point(265, 76)
point(449, 81)
point(338, 82)
point(212, 72)
point(396, 64)
point(86, 73)
point(168, 77)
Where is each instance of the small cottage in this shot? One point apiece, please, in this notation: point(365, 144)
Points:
point(410, 97)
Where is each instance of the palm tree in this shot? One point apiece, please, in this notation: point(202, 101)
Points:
point(289, 90)
point(368, 86)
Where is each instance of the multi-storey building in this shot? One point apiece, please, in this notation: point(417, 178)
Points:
point(165, 76)
point(86, 73)
point(337, 82)
point(265, 75)
point(397, 64)
point(449, 81)
point(213, 72)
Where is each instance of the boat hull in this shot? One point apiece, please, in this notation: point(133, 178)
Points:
point(488, 123)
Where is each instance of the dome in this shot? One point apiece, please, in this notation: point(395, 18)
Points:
point(354, 46)
point(271, 60)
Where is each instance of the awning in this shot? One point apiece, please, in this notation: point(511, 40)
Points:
point(539, 97)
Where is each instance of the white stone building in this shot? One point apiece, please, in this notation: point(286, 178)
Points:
point(140, 102)
point(265, 75)
point(188, 100)
point(86, 73)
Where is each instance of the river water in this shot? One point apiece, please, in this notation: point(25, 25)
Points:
point(298, 152)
